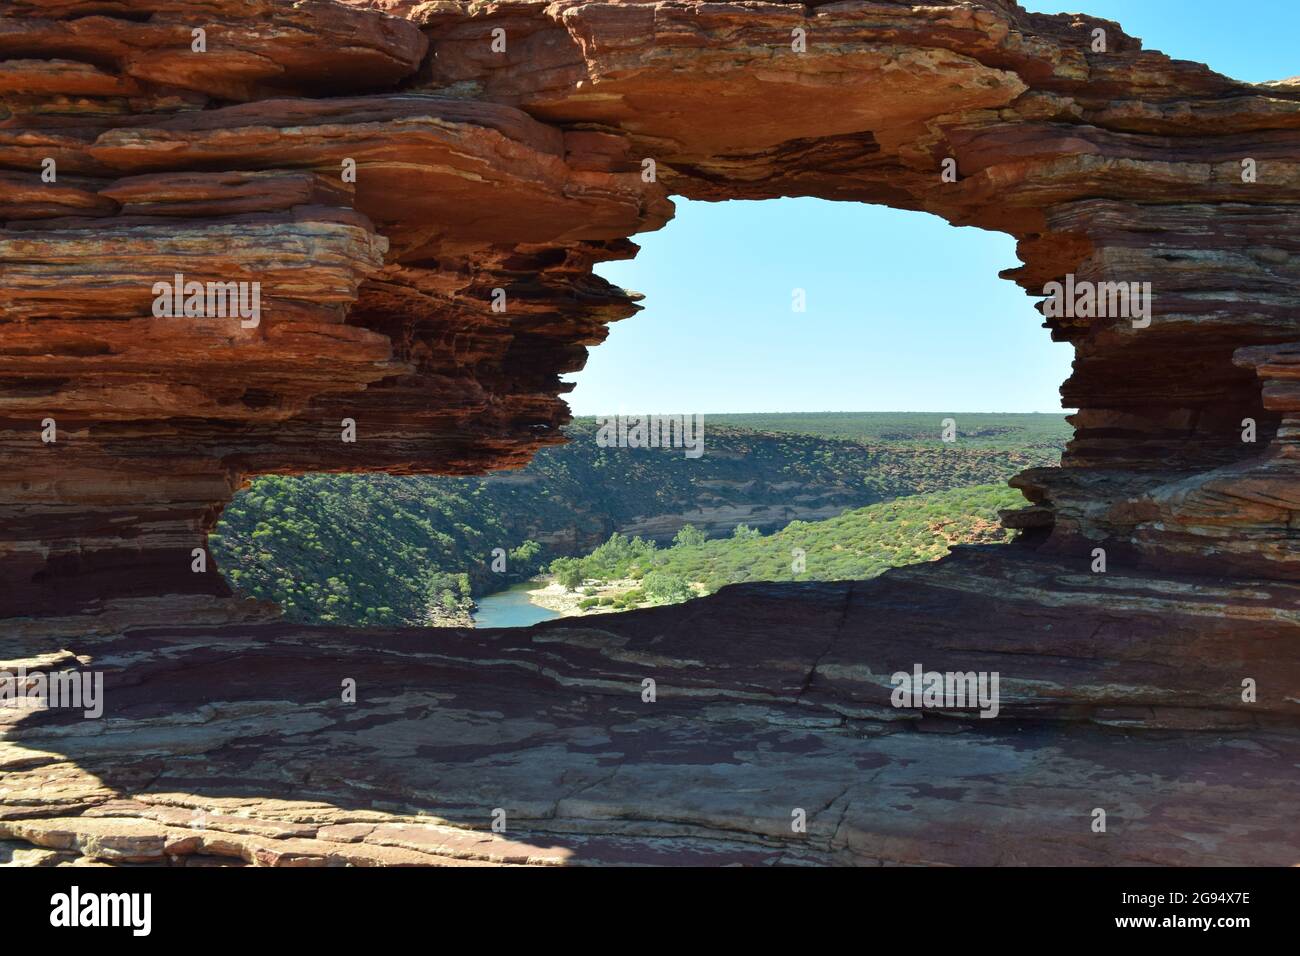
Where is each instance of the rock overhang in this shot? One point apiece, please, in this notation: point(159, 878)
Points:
point(503, 149)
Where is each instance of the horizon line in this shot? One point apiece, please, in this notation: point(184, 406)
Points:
point(1063, 412)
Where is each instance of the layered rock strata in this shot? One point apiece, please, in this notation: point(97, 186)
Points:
point(420, 192)
point(235, 744)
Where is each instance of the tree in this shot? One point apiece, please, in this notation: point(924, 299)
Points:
point(446, 589)
point(664, 588)
point(689, 536)
point(524, 555)
point(568, 573)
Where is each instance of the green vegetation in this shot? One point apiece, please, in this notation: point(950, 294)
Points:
point(857, 545)
point(367, 549)
point(385, 549)
point(1021, 431)
point(447, 592)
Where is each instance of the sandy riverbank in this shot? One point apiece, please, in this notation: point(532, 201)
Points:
point(554, 597)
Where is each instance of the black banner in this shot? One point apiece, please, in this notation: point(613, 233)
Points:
point(331, 906)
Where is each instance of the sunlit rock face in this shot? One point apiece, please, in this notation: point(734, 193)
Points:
point(420, 191)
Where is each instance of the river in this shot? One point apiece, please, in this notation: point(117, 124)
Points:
point(511, 608)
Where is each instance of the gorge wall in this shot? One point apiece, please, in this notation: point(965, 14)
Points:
point(500, 151)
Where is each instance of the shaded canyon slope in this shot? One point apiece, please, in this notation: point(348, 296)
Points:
point(434, 299)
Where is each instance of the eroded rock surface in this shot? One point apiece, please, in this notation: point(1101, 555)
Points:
point(235, 744)
point(488, 177)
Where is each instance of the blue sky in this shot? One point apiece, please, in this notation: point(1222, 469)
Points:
point(904, 312)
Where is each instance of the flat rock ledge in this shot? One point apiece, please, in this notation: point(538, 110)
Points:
point(231, 744)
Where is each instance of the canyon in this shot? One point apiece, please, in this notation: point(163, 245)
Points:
point(489, 172)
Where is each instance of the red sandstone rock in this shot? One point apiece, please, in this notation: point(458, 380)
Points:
point(519, 170)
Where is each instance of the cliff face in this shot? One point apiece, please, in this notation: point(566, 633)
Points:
point(434, 298)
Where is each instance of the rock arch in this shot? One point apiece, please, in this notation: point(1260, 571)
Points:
point(519, 170)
